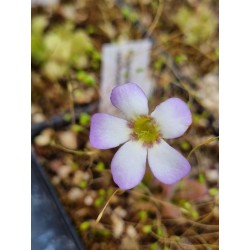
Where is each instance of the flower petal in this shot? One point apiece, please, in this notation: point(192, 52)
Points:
point(130, 99)
point(107, 131)
point(129, 164)
point(173, 117)
point(167, 165)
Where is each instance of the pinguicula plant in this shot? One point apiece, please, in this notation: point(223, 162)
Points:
point(143, 137)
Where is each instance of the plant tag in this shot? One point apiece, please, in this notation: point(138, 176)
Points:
point(123, 63)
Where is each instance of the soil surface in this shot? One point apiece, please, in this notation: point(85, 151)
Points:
point(67, 39)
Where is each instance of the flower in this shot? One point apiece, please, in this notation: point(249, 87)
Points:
point(142, 136)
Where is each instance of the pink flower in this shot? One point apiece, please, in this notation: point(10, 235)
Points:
point(142, 136)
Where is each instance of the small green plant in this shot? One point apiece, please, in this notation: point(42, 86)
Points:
point(61, 49)
point(180, 58)
point(83, 184)
point(154, 246)
point(189, 209)
point(147, 229)
point(84, 226)
point(129, 14)
point(197, 25)
point(213, 191)
point(159, 63)
point(100, 166)
point(76, 128)
point(143, 215)
point(85, 78)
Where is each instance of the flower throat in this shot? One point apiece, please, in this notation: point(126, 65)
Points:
point(145, 129)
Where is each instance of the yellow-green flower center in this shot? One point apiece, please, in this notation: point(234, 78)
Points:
point(145, 129)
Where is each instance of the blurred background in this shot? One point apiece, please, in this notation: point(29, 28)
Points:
point(67, 61)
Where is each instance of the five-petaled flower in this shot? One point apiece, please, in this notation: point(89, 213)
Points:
point(143, 137)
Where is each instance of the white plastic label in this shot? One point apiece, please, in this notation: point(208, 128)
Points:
point(123, 63)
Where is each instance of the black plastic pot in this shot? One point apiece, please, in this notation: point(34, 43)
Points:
point(51, 227)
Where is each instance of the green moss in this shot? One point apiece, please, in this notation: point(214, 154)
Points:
point(104, 232)
point(129, 14)
point(38, 50)
point(159, 232)
point(102, 192)
point(198, 25)
point(100, 166)
point(84, 119)
point(74, 166)
point(83, 184)
point(76, 128)
point(201, 178)
point(190, 209)
point(213, 191)
point(147, 229)
point(185, 145)
point(67, 117)
point(61, 49)
point(84, 226)
point(155, 246)
point(166, 248)
point(85, 78)
point(180, 58)
point(99, 201)
point(159, 63)
point(143, 215)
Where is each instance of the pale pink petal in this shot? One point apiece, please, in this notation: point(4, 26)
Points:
point(107, 131)
point(167, 164)
point(130, 99)
point(173, 117)
point(128, 165)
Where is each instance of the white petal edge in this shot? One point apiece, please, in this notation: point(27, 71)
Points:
point(173, 117)
point(107, 131)
point(167, 164)
point(128, 165)
point(130, 99)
